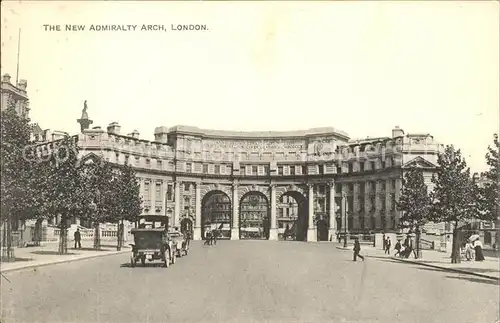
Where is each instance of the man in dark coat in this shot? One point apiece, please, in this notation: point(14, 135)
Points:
point(78, 239)
point(388, 246)
point(357, 249)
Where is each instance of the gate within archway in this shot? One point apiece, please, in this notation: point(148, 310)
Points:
point(292, 216)
point(254, 216)
point(216, 214)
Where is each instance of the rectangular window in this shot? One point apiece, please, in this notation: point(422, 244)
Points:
point(292, 170)
point(242, 170)
point(146, 191)
point(205, 169)
point(393, 184)
point(304, 170)
point(361, 166)
point(169, 192)
point(373, 165)
point(339, 170)
point(158, 192)
point(382, 164)
point(186, 187)
point(254, 170)
point(188, 167)
point(280, 170)
point(266, 170)
point(350, 167)
point(321, 169)
point(382, 186)
point(217, 169)
point(338, 188)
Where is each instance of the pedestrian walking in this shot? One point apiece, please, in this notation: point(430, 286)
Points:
point(214, 237)
point(208, 238)
point(78, 239)
point(397, 247)
point(357, 249)
point(388, 246)
point(478, 247)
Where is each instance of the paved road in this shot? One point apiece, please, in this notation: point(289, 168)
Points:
point(248, 281)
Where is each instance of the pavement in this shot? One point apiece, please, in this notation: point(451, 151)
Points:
point(47, 254)
point(248, 281)
point(489, 268)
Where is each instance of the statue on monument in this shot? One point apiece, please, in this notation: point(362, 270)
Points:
point(84, 111)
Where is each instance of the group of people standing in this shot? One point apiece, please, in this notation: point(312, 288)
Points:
point(211, 237)
point(473, 249)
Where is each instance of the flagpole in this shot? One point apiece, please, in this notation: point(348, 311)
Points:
point(18, 51)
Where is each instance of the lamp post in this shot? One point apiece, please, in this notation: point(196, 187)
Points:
point(344, 196)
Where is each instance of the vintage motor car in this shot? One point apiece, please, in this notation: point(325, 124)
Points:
point(181, 242)
point(152, 244)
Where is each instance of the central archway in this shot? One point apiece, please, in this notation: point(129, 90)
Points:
point(254, 216)
point(216, 214)
point(292, 216)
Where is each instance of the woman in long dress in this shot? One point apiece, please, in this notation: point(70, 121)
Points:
point(478, 246)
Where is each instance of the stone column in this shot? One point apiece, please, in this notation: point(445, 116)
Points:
point(273, 231)
point(311, 230)
point(152, 194)
point(235, 227)
point(388, 211)
point(332, 229)
point(377, 205)
point(197, 219)
point(177, 208)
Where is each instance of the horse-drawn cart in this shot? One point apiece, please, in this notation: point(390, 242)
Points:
point(153, 244)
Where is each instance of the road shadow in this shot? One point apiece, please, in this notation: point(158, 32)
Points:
point(51, 253)
point(477, 280)
point(139, 265)
point(92, 249)
point(15, 259)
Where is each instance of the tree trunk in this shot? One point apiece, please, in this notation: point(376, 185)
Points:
point(63, 236)
point(455, 251)
point(7, 250)
point(417, 238)
point(38, 232)
point(119, 236)
point(97, 236)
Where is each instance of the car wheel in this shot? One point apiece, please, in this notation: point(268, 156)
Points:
point(166, 258)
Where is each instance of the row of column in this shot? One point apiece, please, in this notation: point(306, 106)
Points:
point(378, 199)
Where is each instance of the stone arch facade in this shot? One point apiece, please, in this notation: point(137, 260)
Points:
point(245, 189)
point(208, 188)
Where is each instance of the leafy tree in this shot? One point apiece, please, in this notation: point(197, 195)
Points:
point(455, 195)
point(491, 190)
point(15, 169)
point(65, 189)
point(128, 198)
point(99, 200)
point(415, 203)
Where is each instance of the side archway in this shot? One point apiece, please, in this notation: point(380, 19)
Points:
point(292, 216)
point(187, 226)
point(254, 216)
point(216, 214)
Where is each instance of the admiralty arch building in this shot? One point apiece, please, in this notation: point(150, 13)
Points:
point(311, 183)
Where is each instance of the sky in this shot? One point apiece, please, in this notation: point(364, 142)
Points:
point(360, 67)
